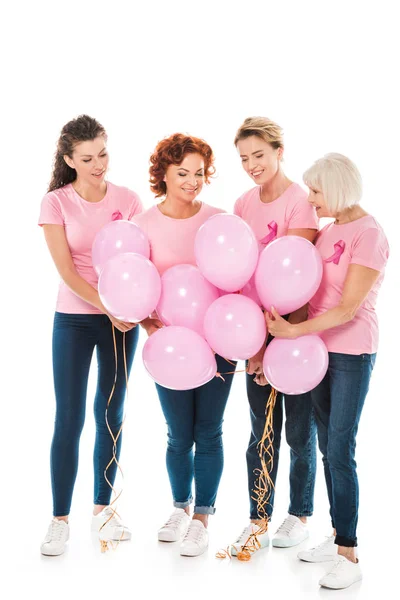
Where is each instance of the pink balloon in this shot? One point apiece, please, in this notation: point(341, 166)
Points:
point(185, 297)
point(226, 251)
point(296, 366)
point(288, 274)
point(129, 287)
point(179, 358)
point(235, 327)
point(118, 237)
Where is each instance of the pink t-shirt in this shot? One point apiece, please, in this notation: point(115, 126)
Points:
point(81, 221)
point(271, 220)
point(172, 240)
point(361, 242)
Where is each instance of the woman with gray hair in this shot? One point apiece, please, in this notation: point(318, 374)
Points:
point(354, 250)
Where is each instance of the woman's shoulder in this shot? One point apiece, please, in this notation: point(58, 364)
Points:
point(295, 193)
point(210, 210)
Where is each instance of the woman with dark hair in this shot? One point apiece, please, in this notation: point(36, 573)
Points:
point(78, 204)
point(179, 168)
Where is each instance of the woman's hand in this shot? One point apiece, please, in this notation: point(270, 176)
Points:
point(121, 325)
point(255, 367)
point(151, 325)
point(278, 327)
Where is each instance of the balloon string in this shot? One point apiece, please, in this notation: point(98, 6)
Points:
point(263, 486)
point(104, 543)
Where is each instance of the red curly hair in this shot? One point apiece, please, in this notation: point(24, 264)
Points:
point(171, 151)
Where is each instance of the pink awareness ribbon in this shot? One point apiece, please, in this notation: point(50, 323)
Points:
point(116, 216)
point(273, 231)
point(339, 249)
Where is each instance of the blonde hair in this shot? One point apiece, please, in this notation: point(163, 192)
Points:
point(339, 180)
point(263, 128)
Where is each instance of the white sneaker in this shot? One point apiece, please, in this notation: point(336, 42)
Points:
point(114, 529)
point(176, 526)
point(196, 539)
point(343, 574)
point(292, 532)
point(257, 542)
point(56, 538)
point(322, 553)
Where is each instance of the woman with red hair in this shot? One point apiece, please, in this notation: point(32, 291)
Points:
point(180, 166)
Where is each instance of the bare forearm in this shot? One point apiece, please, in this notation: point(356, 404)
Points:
point(331, 318)
point(82, 288)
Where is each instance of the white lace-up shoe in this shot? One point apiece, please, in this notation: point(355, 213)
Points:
point(114, 529)
point(343, 574)
point(262, 539)
point(321, 553)
point(292, 532)
point(176, 526)
point(196, 539)
point(56, 538)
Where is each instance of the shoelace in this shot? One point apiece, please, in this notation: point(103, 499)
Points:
point(193, 534)
point(174, 521)
point(55, 531)
point(323, 545)
point(244, 535)
point(338, 565)
point(286, 526)
point(115, 521)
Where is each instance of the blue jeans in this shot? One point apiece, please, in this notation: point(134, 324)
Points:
point(338, 402)
point(74, 338)
point(194, 418)
point(300, 429)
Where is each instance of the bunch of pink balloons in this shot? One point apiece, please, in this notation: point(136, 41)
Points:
point(129, 284)
point(215, 306)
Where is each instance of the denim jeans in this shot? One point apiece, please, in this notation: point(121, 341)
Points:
point(300, 429)
point(194, 450)
point(74, 338)
point(338, 402)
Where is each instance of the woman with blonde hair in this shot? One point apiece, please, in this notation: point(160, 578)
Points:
point(276, 207)
point(354, 250)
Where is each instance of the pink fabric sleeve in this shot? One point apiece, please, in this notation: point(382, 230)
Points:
point(136, 205)
point(237, 209)
point(303, 216)
point(50, 211)
point(370, 249)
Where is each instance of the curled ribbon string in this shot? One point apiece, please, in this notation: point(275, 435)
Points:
point(273, 232)
point(105, 544)
point(263, 485)
point(338, 251)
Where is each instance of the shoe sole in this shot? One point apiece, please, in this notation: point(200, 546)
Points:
point(166, 538)
point(340, 587)
point(192, 554)
point(288, 543)
point(317, 560)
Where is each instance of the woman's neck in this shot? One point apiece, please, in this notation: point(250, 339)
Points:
point(350, 214)
point(178, 209)
point(275, 187)
point(89, 192)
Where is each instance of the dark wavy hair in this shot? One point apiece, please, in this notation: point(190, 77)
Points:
point(171, 151)
point(81, 129)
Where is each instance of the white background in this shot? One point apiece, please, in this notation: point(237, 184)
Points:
point(327, 72)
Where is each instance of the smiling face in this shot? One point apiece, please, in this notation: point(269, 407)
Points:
point(185, 181)
point(259, 159)
point(317, 200)
point(90, 160)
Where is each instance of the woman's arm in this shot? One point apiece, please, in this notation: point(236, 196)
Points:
point(358, 284)
point(308, 234)
point(61, 255)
